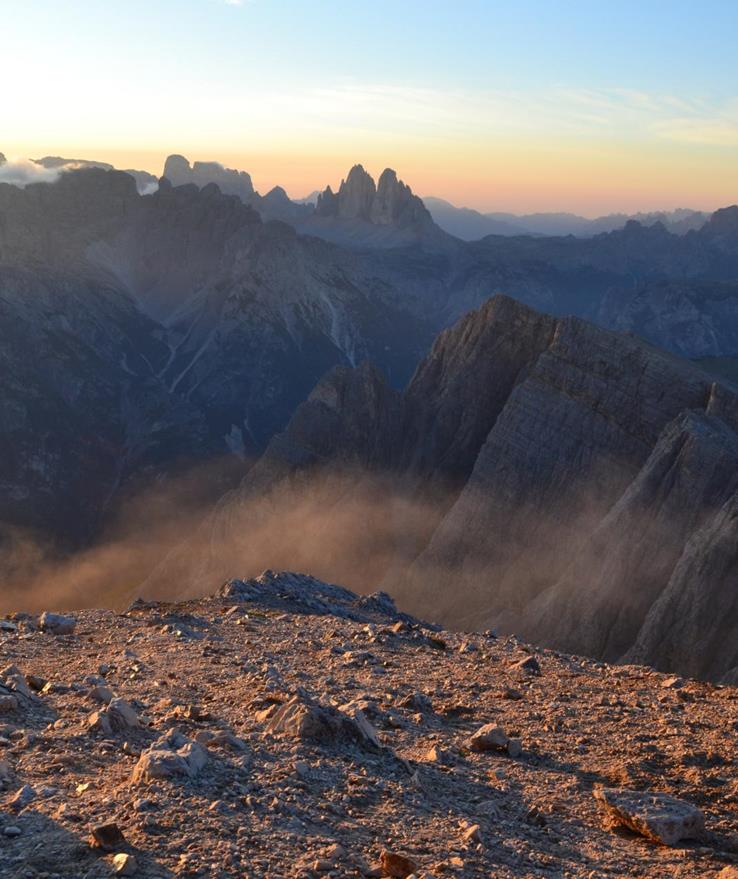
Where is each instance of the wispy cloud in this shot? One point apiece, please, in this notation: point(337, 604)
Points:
point(559, 110)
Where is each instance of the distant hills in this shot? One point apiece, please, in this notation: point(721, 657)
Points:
point(471, 225)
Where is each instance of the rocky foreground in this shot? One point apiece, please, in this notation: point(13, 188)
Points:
point(286, 728)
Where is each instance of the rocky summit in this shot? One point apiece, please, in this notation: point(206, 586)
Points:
point(288, 728)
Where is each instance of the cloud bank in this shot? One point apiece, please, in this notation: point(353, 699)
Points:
point(21, 172)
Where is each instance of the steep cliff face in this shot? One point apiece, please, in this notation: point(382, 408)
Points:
point(691, 626)
point(572, 434)
point(583, 467)
point(690, 474)
point(179, 172)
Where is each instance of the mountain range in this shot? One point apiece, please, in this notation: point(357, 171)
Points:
point(148, 329)
point(471, 225)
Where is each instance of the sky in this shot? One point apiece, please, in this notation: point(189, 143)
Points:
point(523, 105)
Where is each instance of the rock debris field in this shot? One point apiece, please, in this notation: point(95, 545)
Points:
point(289, 728)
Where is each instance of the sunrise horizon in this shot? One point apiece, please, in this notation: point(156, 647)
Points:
point(525, 110)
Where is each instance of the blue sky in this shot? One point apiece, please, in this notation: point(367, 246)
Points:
point(527, 105)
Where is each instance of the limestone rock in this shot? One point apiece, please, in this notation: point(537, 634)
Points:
point(125, 864)
point(171, 756)
point(397, 865)
point(100, 694)
point(56, 623)
point(108, 837)
point(122, 715)
point(22, 798)
point(306, 720)
point(489, 737)
point(659, 817)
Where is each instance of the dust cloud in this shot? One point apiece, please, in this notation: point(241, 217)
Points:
point(171, 541)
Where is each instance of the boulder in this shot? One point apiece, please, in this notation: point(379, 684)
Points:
point(659, 817)
point(306, 720)
point(489, 737)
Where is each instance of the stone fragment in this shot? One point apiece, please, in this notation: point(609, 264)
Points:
point(22, 798)
point(11, 831)
point(438, 755)
point(8, 704)
point(118, 717)
point(489, 737)
point(36, 683)
point(124, 864)
point(659, 817)
point(107, 837)
point(56, 623)
point(529, 665)
point(417, 702)
point(396, 865)
point(6, 774)
point(367, 733)
point(99, 722)
point(473, 834)
point(100, 694)
point(122, 716)
point(12, 678)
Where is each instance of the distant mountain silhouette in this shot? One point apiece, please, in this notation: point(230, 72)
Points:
point(471, 225)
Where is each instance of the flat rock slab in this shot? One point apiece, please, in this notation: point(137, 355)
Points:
point(659, 817)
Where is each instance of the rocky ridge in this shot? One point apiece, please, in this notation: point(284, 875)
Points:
point(286, 727)
point(275, 205)
point(573, 480)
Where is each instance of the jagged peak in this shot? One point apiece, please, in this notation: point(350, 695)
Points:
point(387, 177)
point(388, 202)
